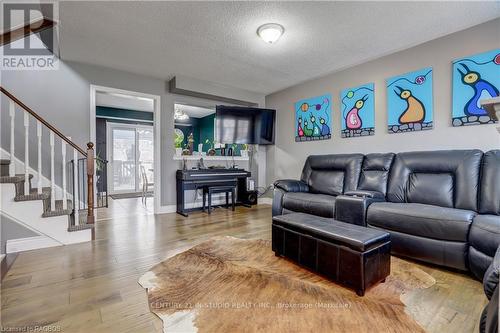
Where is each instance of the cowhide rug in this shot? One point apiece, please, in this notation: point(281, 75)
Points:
point(234, 285)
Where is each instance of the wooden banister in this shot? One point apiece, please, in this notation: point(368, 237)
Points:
point(35, 27)
point(90, 183)
point(88, 154)
point(43, 121)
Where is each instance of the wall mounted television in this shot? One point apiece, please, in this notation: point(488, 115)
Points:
point(237, 124)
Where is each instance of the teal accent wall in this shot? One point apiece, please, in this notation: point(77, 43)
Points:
point(206, 131)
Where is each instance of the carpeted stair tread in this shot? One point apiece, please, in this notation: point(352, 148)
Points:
point(4, 161)
point(16, 179)
point(58, 208)
point(34, 195)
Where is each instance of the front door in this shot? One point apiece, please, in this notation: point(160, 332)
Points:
point(129, 147)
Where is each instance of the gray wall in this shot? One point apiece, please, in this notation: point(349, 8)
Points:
point(62, 97)
point(10, 229)
point(286, 158)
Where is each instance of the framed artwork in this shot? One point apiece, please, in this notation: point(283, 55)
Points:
point(313, 118)
point(358, 111)
point(474, 78)
point(409, 101)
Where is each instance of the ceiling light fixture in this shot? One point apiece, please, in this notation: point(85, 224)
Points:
point(180, 114)
point(270, 32)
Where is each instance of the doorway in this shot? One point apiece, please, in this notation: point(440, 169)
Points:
point(129, 122)
point(130, 156)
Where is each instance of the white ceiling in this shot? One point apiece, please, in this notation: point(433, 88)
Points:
point(217, 41)
point(121, 101)
point(194, 111)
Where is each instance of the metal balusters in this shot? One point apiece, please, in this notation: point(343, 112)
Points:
point(65, 197)
point(26, 153)
point(12, 113)
point(52, 181)
point(39, 135)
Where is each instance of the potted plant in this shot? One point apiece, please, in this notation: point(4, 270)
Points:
point(211, 151)
point(178, 140)
point(244, 150)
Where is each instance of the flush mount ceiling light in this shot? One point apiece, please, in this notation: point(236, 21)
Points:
point(180, 114)
point(270, 32)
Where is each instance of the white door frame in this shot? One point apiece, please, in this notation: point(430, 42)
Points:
point(110, 125)
point(156, 130)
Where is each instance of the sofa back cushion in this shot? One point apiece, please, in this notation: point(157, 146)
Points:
point(447, 178)
point(332, 174)
point(375, 172)
point(489, 193)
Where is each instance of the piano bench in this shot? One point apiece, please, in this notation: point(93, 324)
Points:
point(209, 190)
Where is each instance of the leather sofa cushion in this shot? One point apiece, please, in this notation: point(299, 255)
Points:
point(316, 204)
point(326, 182)
point(375, 172)
point(463, 166)
point(422, 220)
point(485, 234)
point(332, 174)
point(431, 189)
point(489, 194)
point(353, 236)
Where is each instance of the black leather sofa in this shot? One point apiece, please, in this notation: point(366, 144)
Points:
point(489, 317)
point(441, 207)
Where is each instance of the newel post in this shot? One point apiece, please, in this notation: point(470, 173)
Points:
point(90, 182)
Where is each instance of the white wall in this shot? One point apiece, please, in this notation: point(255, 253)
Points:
point(286, 158)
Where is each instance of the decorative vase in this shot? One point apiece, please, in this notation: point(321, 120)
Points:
point(211, 152)
point(178, 151)
point(244, 153)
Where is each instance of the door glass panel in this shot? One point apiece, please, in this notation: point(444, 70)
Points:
point(145, 154)
point(124, 170)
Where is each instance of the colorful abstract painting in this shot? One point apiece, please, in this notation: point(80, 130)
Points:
point(409, 101)
point(358, 111)
point(313, 118)
point(474, 78)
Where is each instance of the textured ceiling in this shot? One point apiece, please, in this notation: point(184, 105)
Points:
point(217, 41)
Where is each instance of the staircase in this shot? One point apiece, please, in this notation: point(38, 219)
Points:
point(63, 212)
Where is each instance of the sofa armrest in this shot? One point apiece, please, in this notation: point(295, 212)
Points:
point(353, 209)
point(491, 277)
point(291, 185)
point(365, 194)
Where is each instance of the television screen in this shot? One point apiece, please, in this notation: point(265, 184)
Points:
point(236, 124)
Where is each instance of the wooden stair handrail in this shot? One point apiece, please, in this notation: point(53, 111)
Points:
point(43, 121)
point(22, 32)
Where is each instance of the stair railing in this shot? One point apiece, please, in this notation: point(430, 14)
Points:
point(87, 154)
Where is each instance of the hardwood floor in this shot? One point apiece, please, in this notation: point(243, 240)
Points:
point(92, 287)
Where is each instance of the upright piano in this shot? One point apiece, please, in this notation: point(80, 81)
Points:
point(198, 178)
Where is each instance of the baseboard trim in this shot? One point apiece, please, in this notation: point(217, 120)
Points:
point(30, 243)
point(264, 201)
point(167, 209)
